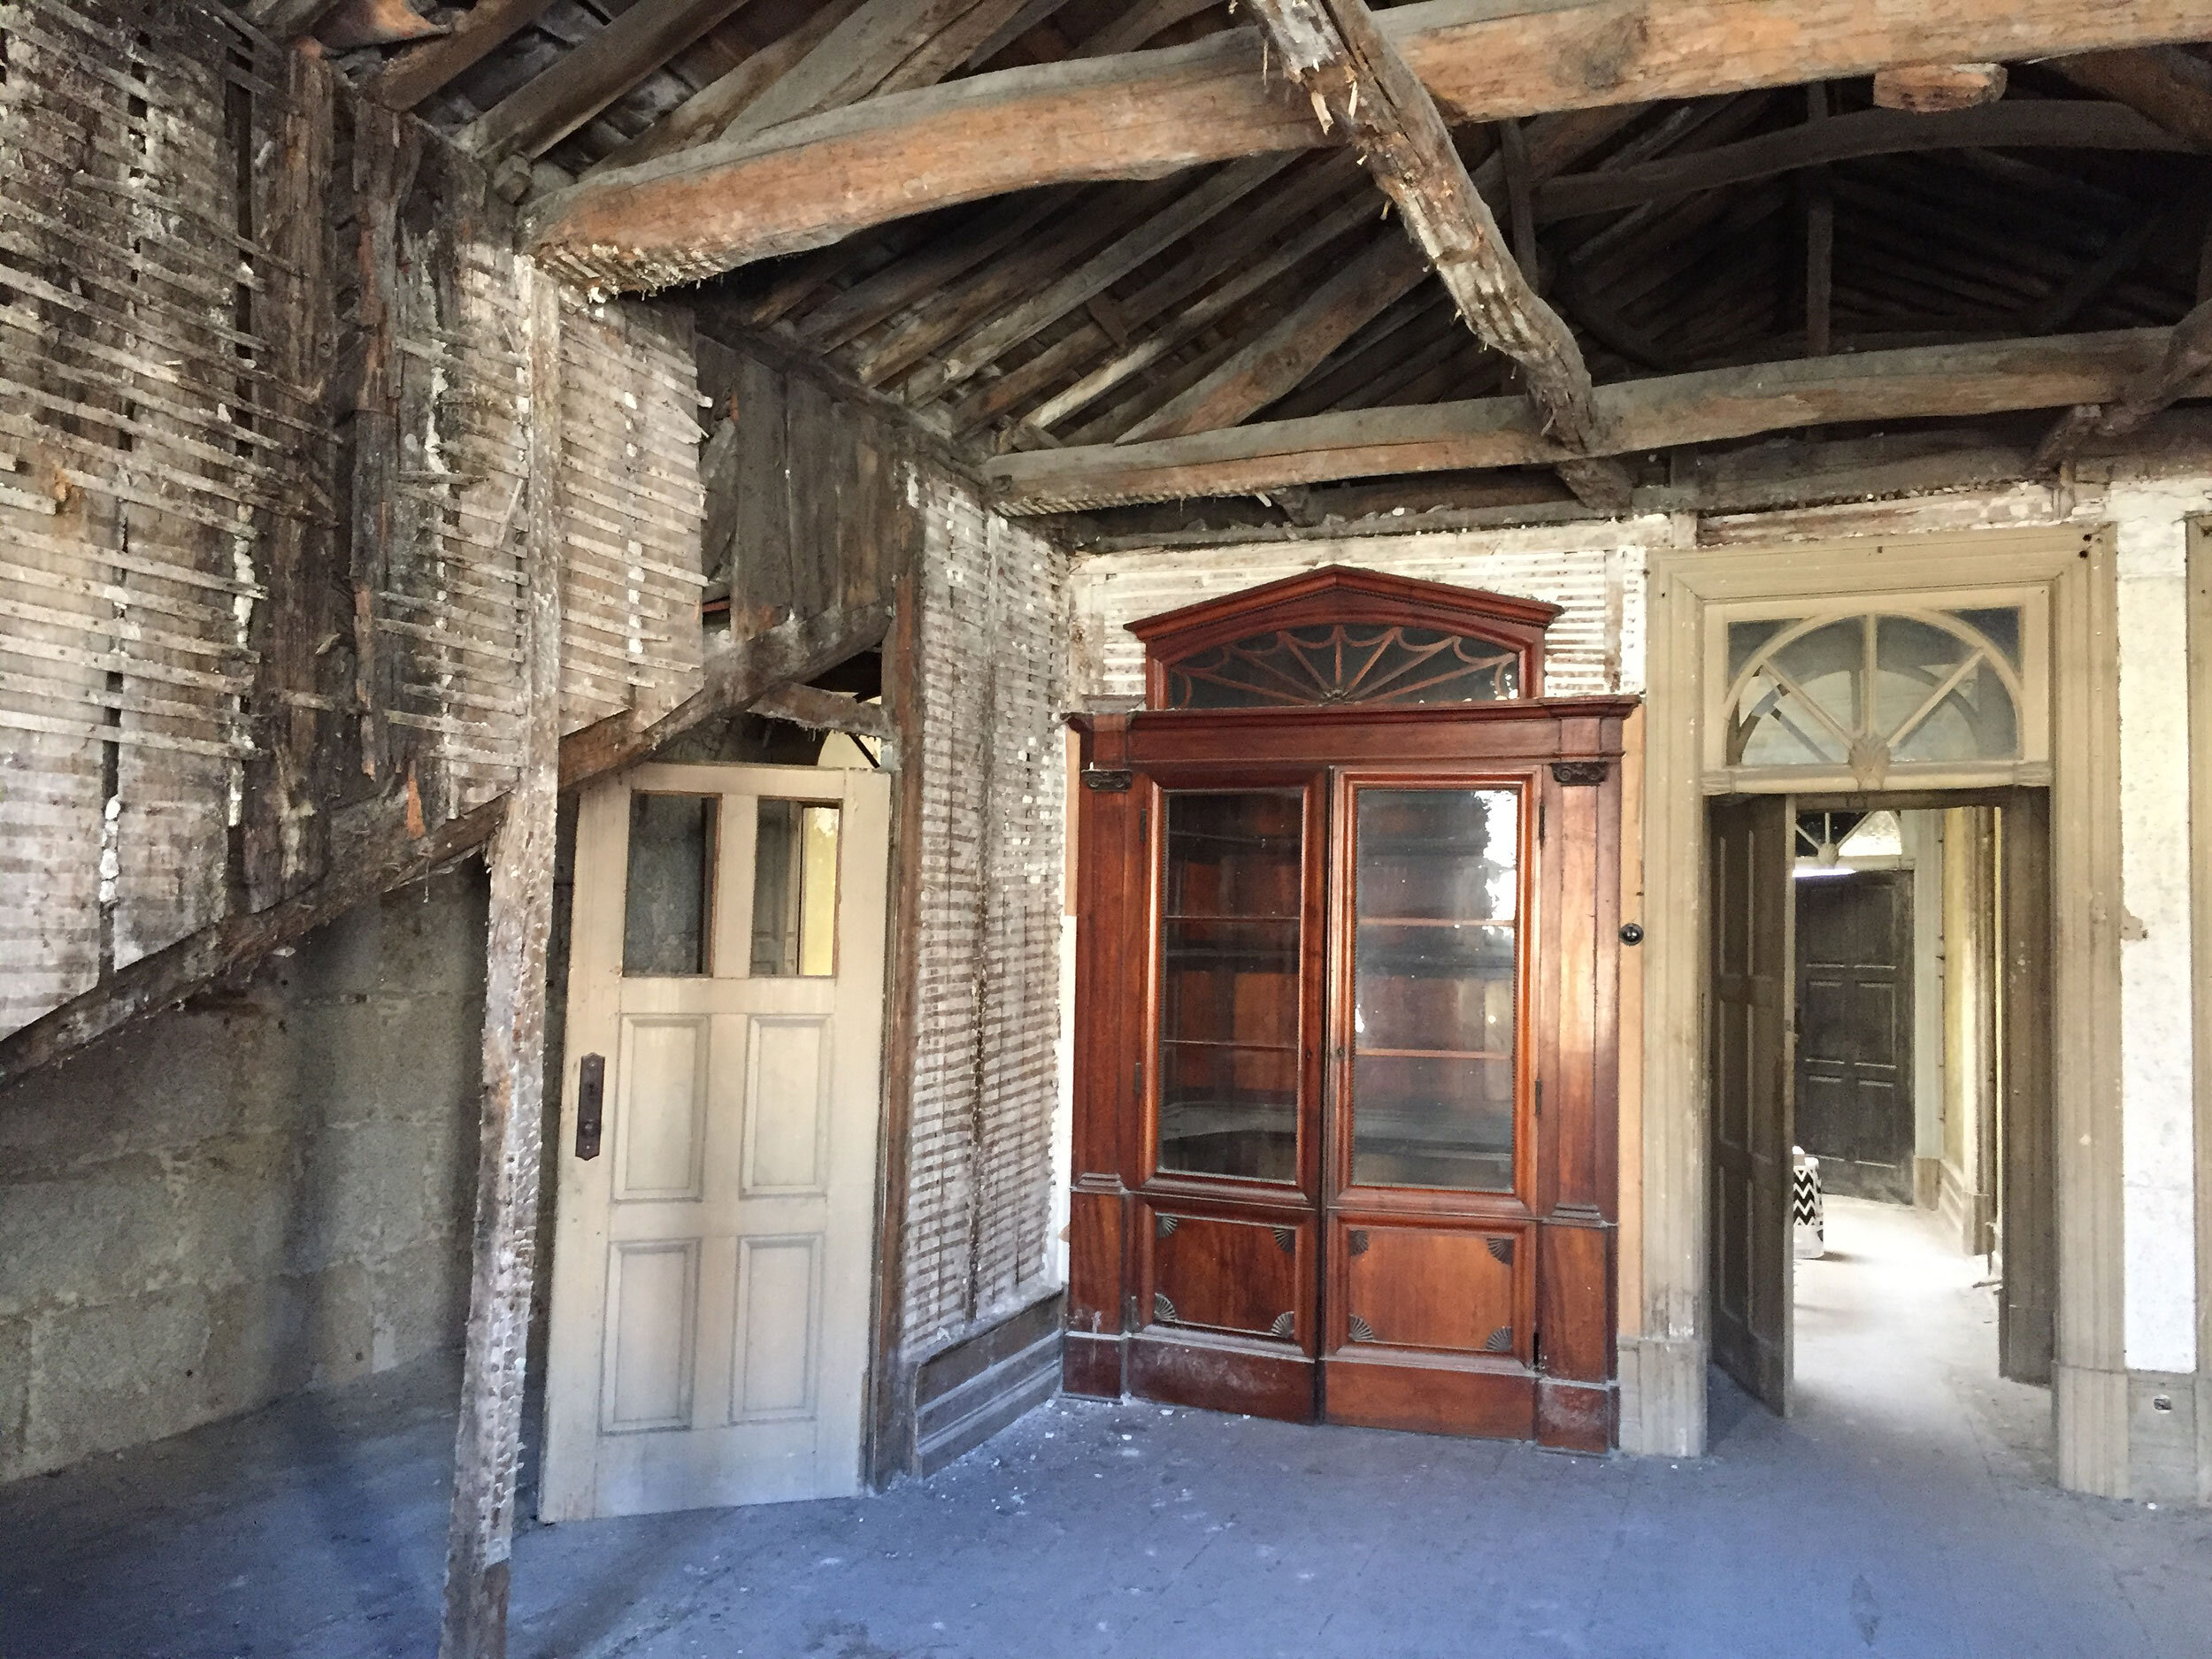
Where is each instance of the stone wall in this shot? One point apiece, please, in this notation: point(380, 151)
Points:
point(263, 1191)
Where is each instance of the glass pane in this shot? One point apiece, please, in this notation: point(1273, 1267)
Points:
point(1435, 964)
point(1229, 980)
point(1973, 720)
point(1346, 663)
point(1999, 625)
point(794, 890)
point(669, 895)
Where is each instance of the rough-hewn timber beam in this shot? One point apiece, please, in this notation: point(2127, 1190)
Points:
point(1141, 114)
point(1361, 88)
point(736, 677)
point(1634, 416)
point(420, 71)
point(2171, 88)
point(2181, 368)
point(2057, 123)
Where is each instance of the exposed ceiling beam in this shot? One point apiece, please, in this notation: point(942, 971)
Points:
point(589, 76)
point(2054, 123)
point(1362, 89)
point(1139, 114)
point(2178, 370)
point(417, 72)
point(1634, 417)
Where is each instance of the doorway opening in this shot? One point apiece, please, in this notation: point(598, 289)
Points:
point(1882, 1217)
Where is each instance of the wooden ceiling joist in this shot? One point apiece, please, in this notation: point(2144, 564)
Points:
point(547, 108)
point(1133, 115)
point(2171, 88)
point(420, 71)
point(1361, 86)
point(2080, 124)
point(1634, 417)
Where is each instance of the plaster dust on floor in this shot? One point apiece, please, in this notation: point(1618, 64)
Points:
point(1906, 1509)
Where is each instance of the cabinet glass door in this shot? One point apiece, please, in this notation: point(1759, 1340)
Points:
point(1231, 973)
point(1436, 956)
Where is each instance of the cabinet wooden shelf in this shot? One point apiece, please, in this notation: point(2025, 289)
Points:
point(1313, 986)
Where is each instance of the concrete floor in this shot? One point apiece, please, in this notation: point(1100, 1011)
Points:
point(1905, 1510)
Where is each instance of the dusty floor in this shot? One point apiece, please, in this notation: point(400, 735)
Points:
point(1906, 1510)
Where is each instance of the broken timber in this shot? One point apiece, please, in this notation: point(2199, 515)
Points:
point(1361, 86)
point(1635, 416)
point(810, 181)
point(2183, 367)
point(735, 677)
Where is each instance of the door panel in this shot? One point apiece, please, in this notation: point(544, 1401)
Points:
point(1223, 1295)
point(2027, 1309)
point(1237, 1275)
point(712, 1269)
point(1749, 910)
point(1431, 1270)
point(1449, 1291)
point(1854, 1110)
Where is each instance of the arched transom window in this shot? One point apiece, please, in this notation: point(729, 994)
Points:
point(1913, 686)
point(1341, 636)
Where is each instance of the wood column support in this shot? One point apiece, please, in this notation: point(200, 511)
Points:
point(488, 1443)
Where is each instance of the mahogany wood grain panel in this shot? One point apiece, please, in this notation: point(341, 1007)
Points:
point(1577, 1417)
point(1092, 1365)
point(1486, 1405)
point(1460, 1291)
point(1225, 1274)
point(1096, 1223)
point(1221, 1374)
point(1574, 1303)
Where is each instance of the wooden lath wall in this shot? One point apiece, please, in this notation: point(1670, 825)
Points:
point(266, 408)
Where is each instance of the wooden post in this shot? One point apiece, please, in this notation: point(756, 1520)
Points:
point(487, 1447)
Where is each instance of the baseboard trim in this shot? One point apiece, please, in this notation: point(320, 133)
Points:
point(1662, 1396)
point(969, 1390)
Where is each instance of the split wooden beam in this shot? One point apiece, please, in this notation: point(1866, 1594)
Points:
point(808, 182)
point(2184, 366)
point(386, 854)
point(1361, 88)
point(487, 1442)
point(820, 711)
point(1634, 416)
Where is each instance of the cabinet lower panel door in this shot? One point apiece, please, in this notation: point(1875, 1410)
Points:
point(1432, 1328)
point(1226, 1311)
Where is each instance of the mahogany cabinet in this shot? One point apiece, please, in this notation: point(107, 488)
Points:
point(1346, 1033)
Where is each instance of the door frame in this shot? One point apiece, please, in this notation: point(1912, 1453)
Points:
point(1663, 1343)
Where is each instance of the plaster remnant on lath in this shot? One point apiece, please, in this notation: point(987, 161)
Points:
point(988, 1022)
point(1595, 573)
point(144, 440)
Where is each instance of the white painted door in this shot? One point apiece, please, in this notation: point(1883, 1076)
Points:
point(712, 1253)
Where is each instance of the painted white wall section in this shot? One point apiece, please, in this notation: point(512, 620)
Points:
point(1595, 570)
point(2156, 1105)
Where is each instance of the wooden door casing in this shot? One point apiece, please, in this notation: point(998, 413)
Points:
point(1552, 1378)
point(1749, 843)
point(1854, 1103)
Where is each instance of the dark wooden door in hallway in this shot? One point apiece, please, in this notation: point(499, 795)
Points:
point(1855, 1108)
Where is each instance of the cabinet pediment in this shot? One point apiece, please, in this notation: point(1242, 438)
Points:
point(1340, 636)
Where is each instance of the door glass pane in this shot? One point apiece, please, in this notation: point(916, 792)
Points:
point(794, 890)
point(670, 891)
point(1436, 946)
point(1229, 976)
